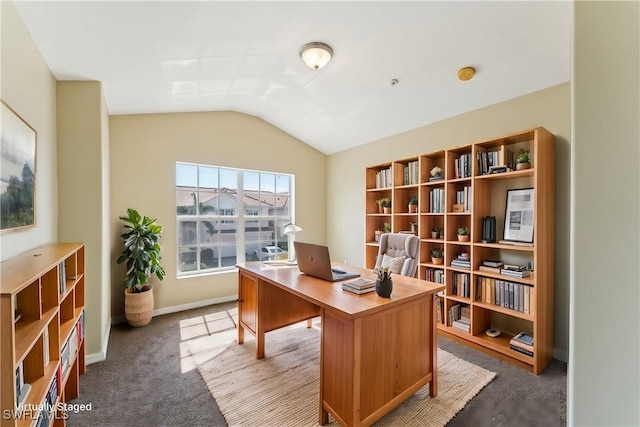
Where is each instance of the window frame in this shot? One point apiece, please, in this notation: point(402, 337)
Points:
point(241, 217)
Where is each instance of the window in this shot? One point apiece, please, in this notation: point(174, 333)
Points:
point(225, 216)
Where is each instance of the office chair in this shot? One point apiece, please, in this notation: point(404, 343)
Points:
point(399, 252)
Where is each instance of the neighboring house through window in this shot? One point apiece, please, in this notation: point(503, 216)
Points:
point(226, 215)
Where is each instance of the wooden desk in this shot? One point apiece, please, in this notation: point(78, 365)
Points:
point(374, 352)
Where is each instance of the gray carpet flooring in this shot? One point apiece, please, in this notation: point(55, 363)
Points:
point(149, 379)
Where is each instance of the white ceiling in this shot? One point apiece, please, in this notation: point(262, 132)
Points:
point(244, 56)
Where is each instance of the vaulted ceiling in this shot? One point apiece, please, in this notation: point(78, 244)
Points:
point(244, 56)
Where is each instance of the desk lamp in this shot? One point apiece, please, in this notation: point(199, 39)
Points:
point(290, 231)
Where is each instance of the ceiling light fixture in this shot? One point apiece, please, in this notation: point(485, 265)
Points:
point(316, 54)
point(466, 73)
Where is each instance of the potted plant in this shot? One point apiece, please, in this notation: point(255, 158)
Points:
point(413, 204)
point(142, 256)
point(385, 202)
point(437, 256)
point(386, 227)
point(379, 203)
point(523, 160)
point(384, 284)
point(435, 232)
point(463, 234)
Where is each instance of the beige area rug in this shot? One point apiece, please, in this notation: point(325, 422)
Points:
point(282, 389)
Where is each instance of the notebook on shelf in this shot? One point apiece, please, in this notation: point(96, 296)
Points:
point(315, 261)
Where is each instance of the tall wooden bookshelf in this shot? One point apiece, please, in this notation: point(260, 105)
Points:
point(487, 198)
point(42, 296)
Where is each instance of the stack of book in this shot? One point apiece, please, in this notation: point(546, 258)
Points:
point(462, 261)
point(360, 285)
point(493, 266)
point(522, 343)
point(440, 307)
point(62, 277)
point(512, 270)
point(435, 275)
point(464, 322)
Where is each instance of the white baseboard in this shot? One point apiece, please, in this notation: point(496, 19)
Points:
point(101, 356)
point(192, 305)
point(182, 307)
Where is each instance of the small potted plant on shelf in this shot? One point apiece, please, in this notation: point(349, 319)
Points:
point(435, 232)
point(385, 202)
point(523, 160)
point(413, 204)
point(379, 203)
point(386, 227)
point(142, 256)
point(437, 256)
point(463, 234)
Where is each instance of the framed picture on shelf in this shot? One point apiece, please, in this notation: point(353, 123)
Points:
point(518, 218)
point(17, 171)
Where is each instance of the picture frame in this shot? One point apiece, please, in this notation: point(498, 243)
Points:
point(17, 171)
point(518, 216)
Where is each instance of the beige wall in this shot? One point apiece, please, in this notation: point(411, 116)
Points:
point(604, 365)
point(144, 149)
point(549, 108)
point(29, 88)
point(83, 140)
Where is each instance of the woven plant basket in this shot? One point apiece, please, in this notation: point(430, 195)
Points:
point(138, 307)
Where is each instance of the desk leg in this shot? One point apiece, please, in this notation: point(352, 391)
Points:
point(260, 338)
point(240, 334)
point(323, 416)
point(433, 385)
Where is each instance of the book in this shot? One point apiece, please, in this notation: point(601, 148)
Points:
point(360, 283)
point(521, 345)
point(45, 343)
point(489, 269)
point(515, 267)
point(511, 242)
point(64, 358)
point(524, 337)
point(499, 169)
point(19, 378)
point(461, 264)
point(521, 350)
point(24, 392)
point(492, 263)
point(358, 290)
point(62, 276)
point(462, 325)
point(512, 273)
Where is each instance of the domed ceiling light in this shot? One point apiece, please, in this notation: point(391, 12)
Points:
point(316, 54)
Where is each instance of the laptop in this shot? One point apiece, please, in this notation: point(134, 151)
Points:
point(314, 260)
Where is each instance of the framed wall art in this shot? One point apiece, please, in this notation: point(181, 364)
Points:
point(518, 218)
point(17, 171)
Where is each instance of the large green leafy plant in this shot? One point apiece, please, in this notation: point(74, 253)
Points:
point(141, 250)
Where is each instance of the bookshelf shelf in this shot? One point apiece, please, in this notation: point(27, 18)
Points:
point(465, 176)
point(46, 285)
